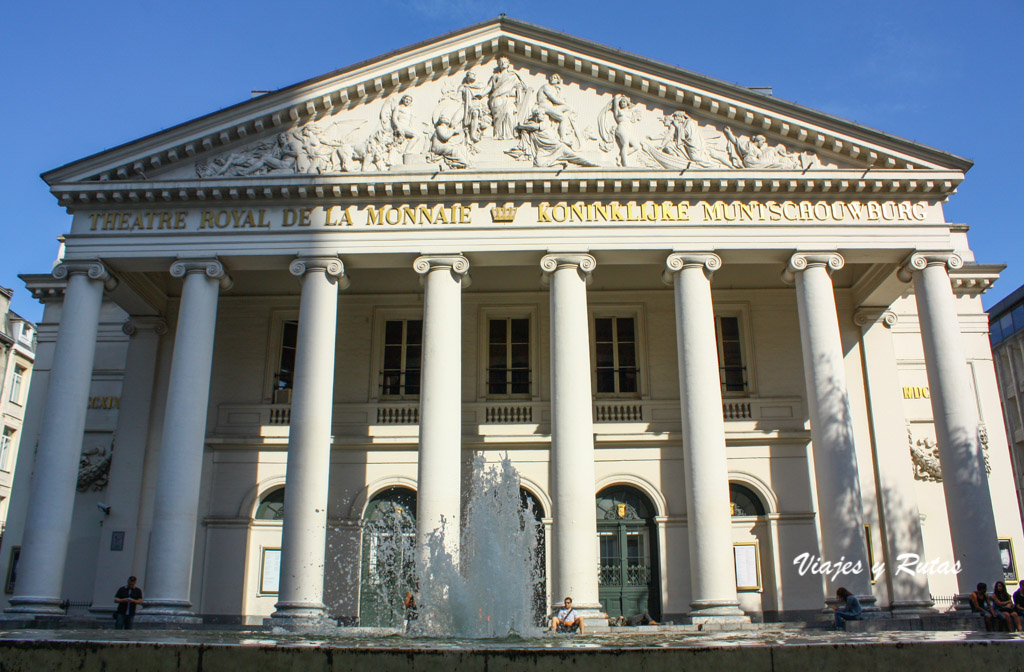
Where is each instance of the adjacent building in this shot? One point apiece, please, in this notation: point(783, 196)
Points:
point(17, 352)
point(1006, 332)
point(723, 338)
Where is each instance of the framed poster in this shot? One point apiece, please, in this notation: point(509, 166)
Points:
point(748, 567)
point(270, 571)
point(117, 540)
point(1009, 562)
point(12, 569)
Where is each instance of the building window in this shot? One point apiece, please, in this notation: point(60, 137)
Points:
point(16, 380)
point(615, 355)
point(508, 356)
point(271, 506)
point(403, 353)
point(6, 441)
point(285, 377)
point(732, 371)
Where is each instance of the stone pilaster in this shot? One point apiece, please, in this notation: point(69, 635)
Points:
point(900, 517)
point(304, 533)
point(169, 574)
point(52, 497)
point(708, 521)
point(964, 480)
point(124, 493)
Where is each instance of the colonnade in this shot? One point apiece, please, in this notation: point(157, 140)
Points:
point(574, 551)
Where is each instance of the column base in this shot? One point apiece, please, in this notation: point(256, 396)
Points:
point(913, 608)
point(717, 611)
point(22, 607)
point(300, 615)
point(167, 611)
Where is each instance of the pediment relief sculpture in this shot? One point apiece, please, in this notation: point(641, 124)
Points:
point(506, 118)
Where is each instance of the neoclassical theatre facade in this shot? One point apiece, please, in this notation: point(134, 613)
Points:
point(732, 346)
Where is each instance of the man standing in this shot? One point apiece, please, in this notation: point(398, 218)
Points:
point(128, 597)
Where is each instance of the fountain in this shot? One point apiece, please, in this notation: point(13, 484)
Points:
point(488, 590)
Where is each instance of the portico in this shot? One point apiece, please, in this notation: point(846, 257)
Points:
point(685, 338)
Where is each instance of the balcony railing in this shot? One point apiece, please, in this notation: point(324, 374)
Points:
point(611, 416)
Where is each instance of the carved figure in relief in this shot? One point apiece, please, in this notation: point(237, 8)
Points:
point(399, 117)
point(448, 146)
point(506, 92)
point(372, 152)
point(550, 99)
point(542, 141)
point(93, 469)
point(684, 145)
point(619, 121)
point(757, 153)
point(277, 156)
point(474, 111)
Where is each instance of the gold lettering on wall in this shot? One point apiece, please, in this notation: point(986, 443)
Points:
point(916, 392)
point(104, 403)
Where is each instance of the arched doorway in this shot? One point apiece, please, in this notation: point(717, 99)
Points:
point(388, 565)
point(531, 503)
point(628, 575)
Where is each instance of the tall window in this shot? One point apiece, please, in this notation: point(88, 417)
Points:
point(615, 340)
point(403, 347)
point(732, 372)
point(6, 440)
point(286, 371)
point(508, 356)
point(16, 380)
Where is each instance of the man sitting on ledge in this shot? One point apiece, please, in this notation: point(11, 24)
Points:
point(567, 619)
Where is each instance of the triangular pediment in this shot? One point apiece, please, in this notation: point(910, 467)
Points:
point(505, 97)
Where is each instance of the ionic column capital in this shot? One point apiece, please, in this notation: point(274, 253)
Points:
point(212, 268)
point(867, 315)
point(918, 261)
point(677, 261)
point(801, 261)
point(93, 268)
point(331, 266)
point(456, 264)
point(584, 264)
point(135, 324)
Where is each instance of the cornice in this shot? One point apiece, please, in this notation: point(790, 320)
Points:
point(512, 185)
point(581, 59)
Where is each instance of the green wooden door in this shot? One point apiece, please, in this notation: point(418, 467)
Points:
point(627, 576)
point(388, 566)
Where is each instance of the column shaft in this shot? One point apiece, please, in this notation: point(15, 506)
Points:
point(169, 574)
point(572, 433)
point(440, 451)
point(52, 497)
point(837, 479)
point(964, 480)
point(304, 534)
point(708, 520)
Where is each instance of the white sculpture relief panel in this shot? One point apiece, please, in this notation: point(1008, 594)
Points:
point(496, 116)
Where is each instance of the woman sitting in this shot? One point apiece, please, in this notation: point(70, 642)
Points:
point(1004, 606)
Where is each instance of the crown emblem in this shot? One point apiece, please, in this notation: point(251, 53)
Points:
point(503, 215)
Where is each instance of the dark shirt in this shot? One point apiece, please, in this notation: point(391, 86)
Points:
point(1018, 598)
point(126, 592)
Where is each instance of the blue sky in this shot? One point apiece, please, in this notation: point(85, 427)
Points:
point(81, 77)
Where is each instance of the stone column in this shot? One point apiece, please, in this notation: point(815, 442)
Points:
point(964, 480)
point(708, 519)
point(124, 494)
point(169, 574)
point(438, 498)
point(574, 538)
point(304, 532)
point(900, 517)
point(837, 479)
point(51, 500)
